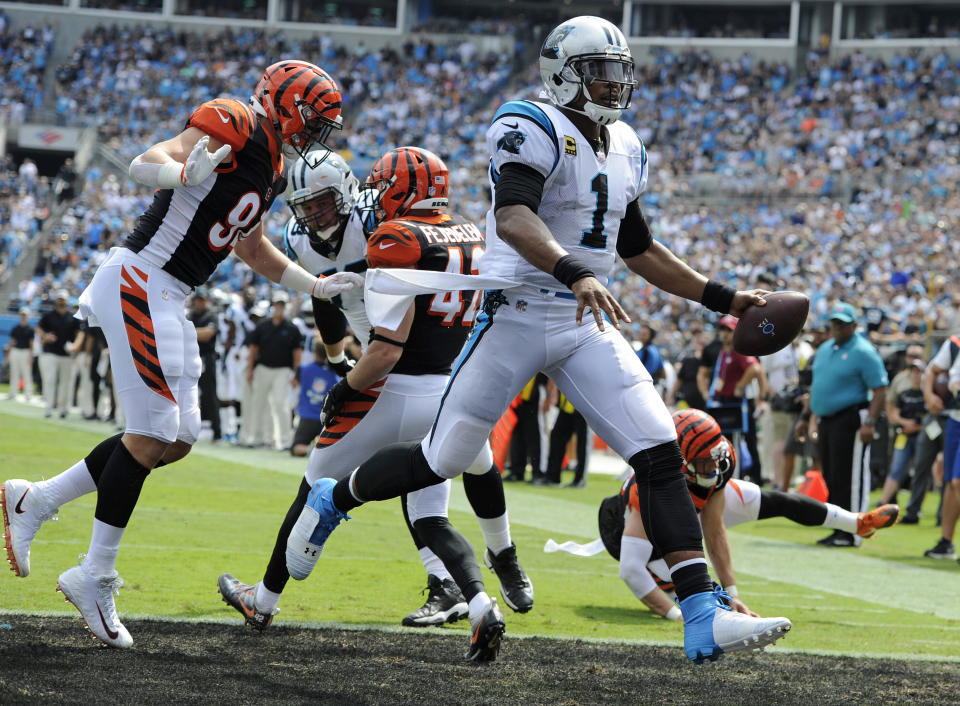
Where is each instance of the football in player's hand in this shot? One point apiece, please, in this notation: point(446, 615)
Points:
point(763, 330)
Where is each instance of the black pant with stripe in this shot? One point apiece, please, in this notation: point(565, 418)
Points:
point(844, 458)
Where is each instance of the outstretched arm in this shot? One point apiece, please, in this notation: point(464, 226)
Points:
point(664, 270)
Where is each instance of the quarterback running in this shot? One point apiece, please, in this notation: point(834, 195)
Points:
point(566, 179)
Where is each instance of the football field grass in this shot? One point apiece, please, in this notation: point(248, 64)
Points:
point(219, 509)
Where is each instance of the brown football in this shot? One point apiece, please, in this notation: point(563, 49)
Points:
point(763, 330)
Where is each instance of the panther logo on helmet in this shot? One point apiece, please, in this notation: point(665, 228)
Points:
point(302, 102)
point(407, 179)
point(323, 197)
point(706, 451)
point(581, 52)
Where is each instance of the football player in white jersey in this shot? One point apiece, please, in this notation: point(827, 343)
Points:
point(566, 178)
point(329, 232)
point(214, 180)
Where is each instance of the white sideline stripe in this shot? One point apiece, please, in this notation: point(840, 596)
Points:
point(883, 581)
point(457, 629)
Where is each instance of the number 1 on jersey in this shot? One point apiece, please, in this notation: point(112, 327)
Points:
point(594, 238)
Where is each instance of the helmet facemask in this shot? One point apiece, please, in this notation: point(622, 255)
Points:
point(614, 71)
point(314, 134)
point(704, 471)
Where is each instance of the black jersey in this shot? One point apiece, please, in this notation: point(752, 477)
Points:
point(190, 230)
point(442, 322)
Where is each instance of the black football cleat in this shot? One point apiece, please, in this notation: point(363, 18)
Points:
point(515, 585)
point(445, 604)
point(486, 635)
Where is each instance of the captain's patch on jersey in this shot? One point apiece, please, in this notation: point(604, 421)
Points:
point(511, 141)
point(570, 145)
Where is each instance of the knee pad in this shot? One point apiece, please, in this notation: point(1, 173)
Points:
point(457, 450)
point(658, 463)
point(481, 464)
point(190, 425)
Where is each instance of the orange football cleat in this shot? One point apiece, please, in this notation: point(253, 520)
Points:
point(884, 516)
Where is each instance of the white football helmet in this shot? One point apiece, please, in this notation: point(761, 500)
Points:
point(321, 197)
point(580, 52)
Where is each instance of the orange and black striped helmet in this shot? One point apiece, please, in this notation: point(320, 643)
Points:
point(706, 451)
point(302, 102)
point(406, 179)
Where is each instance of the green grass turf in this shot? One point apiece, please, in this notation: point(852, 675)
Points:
point(219, 509)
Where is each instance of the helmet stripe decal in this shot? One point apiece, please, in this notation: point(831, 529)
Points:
point(278, 96)
point(411, 178)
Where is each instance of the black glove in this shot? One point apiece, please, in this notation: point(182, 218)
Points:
point(343, 367)
point(339, 395)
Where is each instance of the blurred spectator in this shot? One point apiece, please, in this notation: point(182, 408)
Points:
point(905, 412)
point(847, 398)
point(649, 354)
point(527, 442)
point(65, 182)
point(19, 351)
point(315, 380)
point(930, 442)
point(205, 322)
point(569, 422)
point(58, 330)
point(275, 350)
point(729, 391)
point(783, 378)
point(685, 392)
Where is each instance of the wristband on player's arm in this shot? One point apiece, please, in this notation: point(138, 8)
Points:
point(569, 271)
point(168, 175)
point(718, 296)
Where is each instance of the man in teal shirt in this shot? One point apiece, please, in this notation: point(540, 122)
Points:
point(846, 400)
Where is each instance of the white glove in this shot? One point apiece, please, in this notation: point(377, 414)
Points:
point(201, 163)
point(329, 287)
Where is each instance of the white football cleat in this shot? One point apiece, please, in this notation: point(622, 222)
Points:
point(24, 510)
point(93, 597)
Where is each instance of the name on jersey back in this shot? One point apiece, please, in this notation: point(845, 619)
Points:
point(459, 233)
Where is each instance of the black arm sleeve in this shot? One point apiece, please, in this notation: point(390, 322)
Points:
point(635, 238)
point(518, 184)
point(330, 321)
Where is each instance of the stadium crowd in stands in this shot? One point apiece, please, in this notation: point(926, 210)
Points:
point(833, 179)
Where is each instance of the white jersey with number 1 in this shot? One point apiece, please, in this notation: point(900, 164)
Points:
point(585, 196)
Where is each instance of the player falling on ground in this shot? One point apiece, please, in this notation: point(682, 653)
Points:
point(566, 179)
point(722, 502)
point(393, 392)
point(215, 181)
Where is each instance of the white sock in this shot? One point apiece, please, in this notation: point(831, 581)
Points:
point(67, 486)
point(496, 532)
point(266, 600)
point(840, 519)
point(478, 606)
point(104, 545)
point(433, 565)
point(228, 419)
